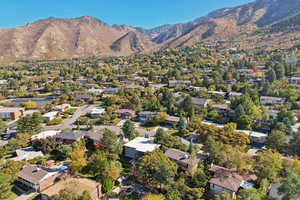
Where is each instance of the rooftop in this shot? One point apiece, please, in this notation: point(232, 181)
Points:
point(34, 173)
point(10, 109)
point(142, 144)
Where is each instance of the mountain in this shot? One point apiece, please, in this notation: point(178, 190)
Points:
point(231, 23)
point(261, 22)
point(54, 38)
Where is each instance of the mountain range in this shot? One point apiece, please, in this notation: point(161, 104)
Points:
point(262, 22)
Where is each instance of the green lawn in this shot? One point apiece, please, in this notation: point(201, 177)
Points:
point(44, 95)
point(71, 111)
point(12, 196)
point(33, 197)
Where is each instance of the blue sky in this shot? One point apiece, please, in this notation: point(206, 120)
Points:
point(144, 13)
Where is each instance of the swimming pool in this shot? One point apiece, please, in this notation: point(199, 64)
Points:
point(63, 168)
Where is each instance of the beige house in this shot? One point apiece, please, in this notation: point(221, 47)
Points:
point(37, 178)
point(62, 107)
point(11, 113)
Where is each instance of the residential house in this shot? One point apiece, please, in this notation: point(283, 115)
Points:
point(146, 132)
point(146, 116)
point(82, 80)
point(111, 91)
point(157, 85)
point(97, 112)
point(217, 93)
point(62, 107)
point(221, 108)
point(200, 102)
point(45, 134)
point(3, 82)
point(90, 86)
point(229, 82)
point(183, 159)
point(232, 95)
point(256, 137)
point(36, 178)
point(229, 181)
point(126, 113)
point(138, 147)
point(78, 185)
point(193, 88)
point(266, 100)
point(173, 120)
point(95, 91)
point(177, 83)
point(69, 137)
point(50, 115)
point(294, 80)
point(27, 153)
point(11, 113)
point(246, 71)
point(95, 137)
point(84, 97)
point(273, 114)
point(115, 129)
point(134, 87)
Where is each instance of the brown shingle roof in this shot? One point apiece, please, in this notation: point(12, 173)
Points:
point(33, 173)
point(228, 178)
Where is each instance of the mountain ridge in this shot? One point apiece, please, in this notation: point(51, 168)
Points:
point(58, 38)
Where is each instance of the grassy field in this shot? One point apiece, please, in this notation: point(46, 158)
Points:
point(12, 196)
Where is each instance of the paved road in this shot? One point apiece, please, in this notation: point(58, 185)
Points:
point(68, 123)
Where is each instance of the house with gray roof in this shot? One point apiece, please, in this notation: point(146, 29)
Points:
point(69, 137)
point(183, 159)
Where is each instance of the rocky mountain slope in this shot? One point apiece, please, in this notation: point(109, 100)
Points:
point(64, 38)
point(54, 38)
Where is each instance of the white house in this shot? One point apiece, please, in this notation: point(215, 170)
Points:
point(255, 136)
point(232, 95)
point(97, 112)
point(50, 115)
point(3, 82)
point(139, 146)
point(45, 134)
point(27, 153)
point(95, 91)
point(294, 80)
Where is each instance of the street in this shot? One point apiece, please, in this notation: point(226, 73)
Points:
point(69, 123)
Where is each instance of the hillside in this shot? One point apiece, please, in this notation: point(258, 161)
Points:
point(249, 24)
point(64, 38)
